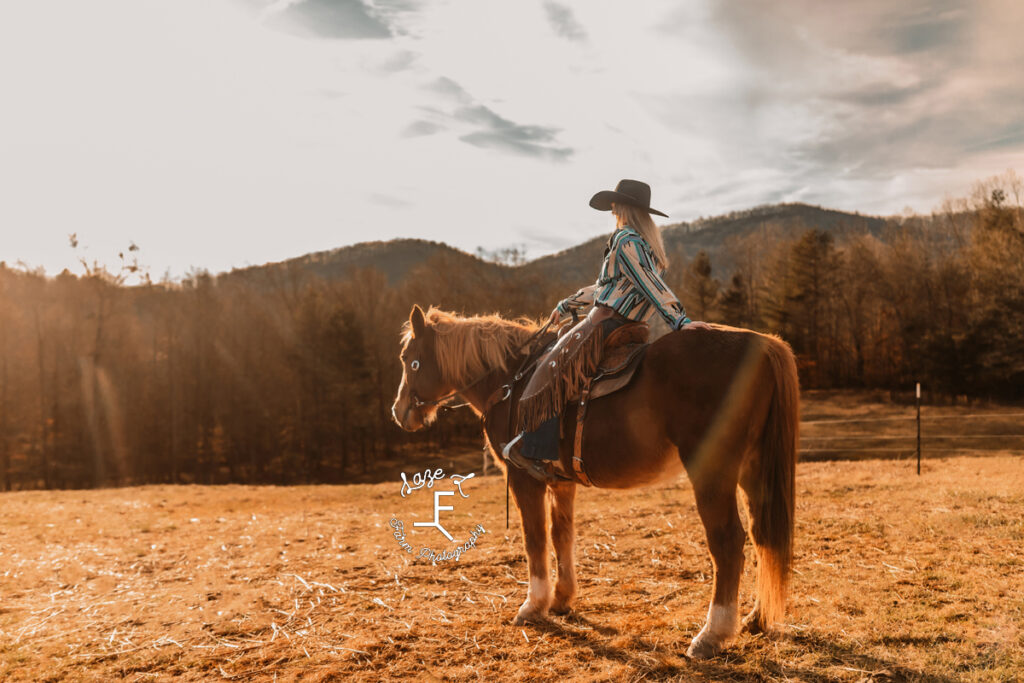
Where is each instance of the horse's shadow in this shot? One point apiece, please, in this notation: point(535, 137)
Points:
point(665, 661)
point(575, 626)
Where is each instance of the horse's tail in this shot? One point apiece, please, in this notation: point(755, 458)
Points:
point(773, 503)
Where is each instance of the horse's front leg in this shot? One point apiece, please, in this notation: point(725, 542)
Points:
point(563, 537)
point(529, 495)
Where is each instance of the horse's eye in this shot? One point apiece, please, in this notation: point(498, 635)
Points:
point(415, 365)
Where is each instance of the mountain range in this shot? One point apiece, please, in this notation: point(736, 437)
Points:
point(397, 258)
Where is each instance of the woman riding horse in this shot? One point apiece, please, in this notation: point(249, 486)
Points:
point(720, 403)
point(630, 287)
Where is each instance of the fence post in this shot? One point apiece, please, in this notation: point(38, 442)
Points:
point(919, 429)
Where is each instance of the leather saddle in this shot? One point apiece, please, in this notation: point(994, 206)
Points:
point(621, 353)
point(581, 353)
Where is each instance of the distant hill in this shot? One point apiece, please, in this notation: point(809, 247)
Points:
point(397, 258)
point(712, 235)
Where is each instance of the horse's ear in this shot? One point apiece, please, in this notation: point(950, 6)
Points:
point(418, 322)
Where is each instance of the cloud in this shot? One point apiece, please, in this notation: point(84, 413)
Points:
point(878, 27)
point(490, 129)
point(916, 134)
point(780, 32)
point(883, 94)
point(849, 102)
point(420, 128)
point(448, 88)
point(334, 19)
point(398, 6)
point(563, 21)
point(399, 61)
point(500, 133)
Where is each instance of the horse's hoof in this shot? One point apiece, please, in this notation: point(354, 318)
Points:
point(562, 604)
point(702, 649)
point(752, 624)
point(529, 618)
point(522, 620)
point(561, 609)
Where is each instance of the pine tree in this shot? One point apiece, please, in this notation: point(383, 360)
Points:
point(734, 303)
point(700, 290)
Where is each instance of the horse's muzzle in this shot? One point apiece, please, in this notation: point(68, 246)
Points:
point(403, 421)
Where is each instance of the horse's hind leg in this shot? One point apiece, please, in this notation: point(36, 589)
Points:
point(529, 495)
point(754, 620)
point(716, 504)
point(563, 536)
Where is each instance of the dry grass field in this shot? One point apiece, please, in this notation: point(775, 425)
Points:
point(898, 577)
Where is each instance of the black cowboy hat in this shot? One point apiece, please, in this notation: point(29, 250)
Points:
point(632, 192)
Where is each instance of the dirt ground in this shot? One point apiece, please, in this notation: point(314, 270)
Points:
point(898, 577)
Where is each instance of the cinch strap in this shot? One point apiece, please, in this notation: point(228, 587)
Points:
point(577, 448)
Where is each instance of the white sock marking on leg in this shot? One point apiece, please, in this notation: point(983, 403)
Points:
point(539, 589)
point(723, 621)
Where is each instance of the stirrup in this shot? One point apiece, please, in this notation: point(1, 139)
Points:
point(510, 444)
point(541, 470)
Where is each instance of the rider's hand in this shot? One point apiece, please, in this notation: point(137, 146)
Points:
point(555, 317)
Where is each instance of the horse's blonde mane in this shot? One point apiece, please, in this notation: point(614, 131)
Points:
point(466, 348)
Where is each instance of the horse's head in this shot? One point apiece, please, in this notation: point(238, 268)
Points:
point(422, 385)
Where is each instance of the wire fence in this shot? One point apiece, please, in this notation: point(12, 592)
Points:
point(910, 418)
point(998, 437)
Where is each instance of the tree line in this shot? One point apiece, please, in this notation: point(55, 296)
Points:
point(275, 375)
point(937, 299)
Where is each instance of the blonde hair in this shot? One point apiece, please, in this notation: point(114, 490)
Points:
point(641, 221)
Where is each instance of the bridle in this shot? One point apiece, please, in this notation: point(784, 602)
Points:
point(417, 402)
point(505, 389)
point(499, 395)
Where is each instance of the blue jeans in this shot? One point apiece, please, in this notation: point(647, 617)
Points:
point(542, 443)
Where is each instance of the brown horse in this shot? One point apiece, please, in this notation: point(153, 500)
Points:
point(720, 403)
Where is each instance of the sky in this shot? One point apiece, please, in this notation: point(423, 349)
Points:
point(223, 133)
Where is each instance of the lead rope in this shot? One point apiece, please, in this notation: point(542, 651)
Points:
point(509, 408)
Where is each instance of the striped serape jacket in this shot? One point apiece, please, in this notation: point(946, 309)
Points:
point(630, 283)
